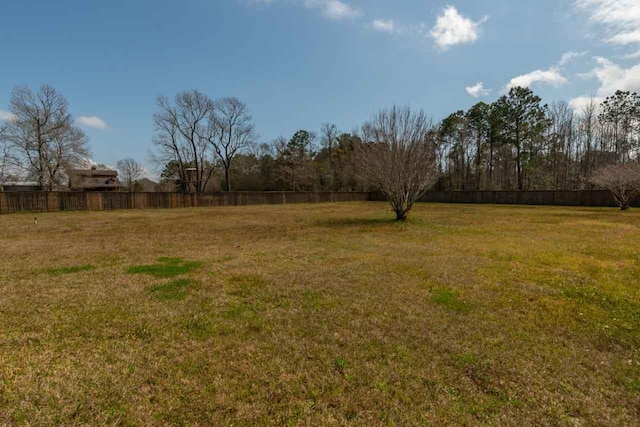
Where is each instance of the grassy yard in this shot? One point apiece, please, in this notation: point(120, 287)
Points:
point(321, 314)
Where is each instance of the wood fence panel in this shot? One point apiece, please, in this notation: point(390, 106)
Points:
point(99, 201)
point(593, 198)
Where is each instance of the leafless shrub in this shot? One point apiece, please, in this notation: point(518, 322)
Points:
point(623, 180)
point(398, 156)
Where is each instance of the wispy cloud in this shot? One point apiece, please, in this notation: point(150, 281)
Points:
point(570, 56)
point(632, 55)
point(332, 9)
point(452, 29)
point(477, 90)
point(626, 38)
point(619, 18)
point(92, 122)
point(385, 26)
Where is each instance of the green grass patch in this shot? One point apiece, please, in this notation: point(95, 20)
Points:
point(450, 300)
point(246, 285)
point(70, 270)
point(340, 364)
point(201, 329)
point(623, 315)
point(238, 310)
point(166, 268)
point(174, 290)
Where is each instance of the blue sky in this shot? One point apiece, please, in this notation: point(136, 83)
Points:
point(299, 63)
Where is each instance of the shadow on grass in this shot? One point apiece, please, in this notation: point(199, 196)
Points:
point(174, 290)
point(355, 222)
point(69, 270)
point(166, 268)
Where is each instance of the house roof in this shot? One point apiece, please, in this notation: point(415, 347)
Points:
point(93, 173)
point(93, 178)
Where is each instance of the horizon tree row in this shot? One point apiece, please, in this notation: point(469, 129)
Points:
point(516, 142)
point(519, 143)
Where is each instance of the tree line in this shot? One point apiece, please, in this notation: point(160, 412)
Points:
point(516, 142)
point(196, 136)
point(519, 143)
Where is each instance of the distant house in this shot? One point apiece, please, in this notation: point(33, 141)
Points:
point(12, 187)
point(94, 179)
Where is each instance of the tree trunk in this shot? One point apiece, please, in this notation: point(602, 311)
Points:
point(401, 215)
point(226, 179)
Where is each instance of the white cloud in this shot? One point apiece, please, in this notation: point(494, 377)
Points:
point(570, 56)
point(333, 9)
point(552, 76)
point(611, 77)
point(92, 122)
point(620, 18)
point(626, 38)
point(452, 29)
point(579, 104)
point(383, 26)
point(633, 55)
point(6, 116)
point(477, 90)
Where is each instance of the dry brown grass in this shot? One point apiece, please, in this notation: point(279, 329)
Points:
point(321, 314)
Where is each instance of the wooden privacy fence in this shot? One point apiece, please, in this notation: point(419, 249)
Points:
point(98, 201)
point(67, 201)
point(595, 198)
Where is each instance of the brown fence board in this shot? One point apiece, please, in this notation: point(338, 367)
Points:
point(99, 201)
point(593, 198)
point(68, 201)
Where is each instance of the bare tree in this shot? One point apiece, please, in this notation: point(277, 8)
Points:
point(232, 131)
point(130, 171)
point(398, 156)
point(623, 180)
point(42, 132)
point(6, 156)
point(182, 136)
point(329, 133)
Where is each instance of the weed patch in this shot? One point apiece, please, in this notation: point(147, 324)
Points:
point(450, 300)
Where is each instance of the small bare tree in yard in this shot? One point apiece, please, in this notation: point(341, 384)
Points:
point(623, 180)
point(398, 156)
point(130, 171)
